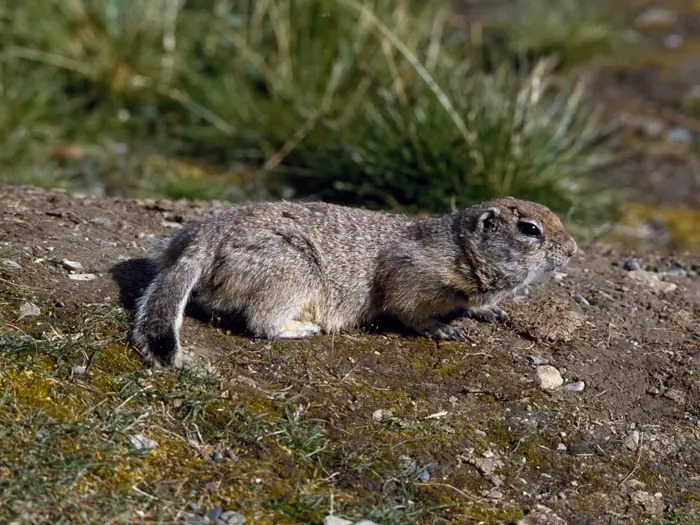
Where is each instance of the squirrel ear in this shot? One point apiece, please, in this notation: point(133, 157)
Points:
point(487, 220)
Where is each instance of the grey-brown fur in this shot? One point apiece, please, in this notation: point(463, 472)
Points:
point(295, 269)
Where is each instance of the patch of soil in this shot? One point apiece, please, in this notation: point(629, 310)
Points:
point(616, 443)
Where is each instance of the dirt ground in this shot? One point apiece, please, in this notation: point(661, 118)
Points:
point(616, 442)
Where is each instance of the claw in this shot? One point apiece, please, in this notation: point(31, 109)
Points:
point(443, 331)
point(488, 314)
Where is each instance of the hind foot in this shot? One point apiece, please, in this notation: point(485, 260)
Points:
point(297, 330)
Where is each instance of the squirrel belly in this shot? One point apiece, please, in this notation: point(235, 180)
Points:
point(294, 270)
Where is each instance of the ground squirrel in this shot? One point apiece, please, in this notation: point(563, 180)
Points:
point(297, 269)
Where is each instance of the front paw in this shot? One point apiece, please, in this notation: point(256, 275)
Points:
point(488, 314)
point(443, 331)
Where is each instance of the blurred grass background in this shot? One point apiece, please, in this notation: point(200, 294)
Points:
point(399, 105)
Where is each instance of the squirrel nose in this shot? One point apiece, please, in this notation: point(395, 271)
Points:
point(569, 246)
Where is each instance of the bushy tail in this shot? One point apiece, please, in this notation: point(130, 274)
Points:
point(160, 309)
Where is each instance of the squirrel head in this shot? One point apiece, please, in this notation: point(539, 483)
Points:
point(514, 242)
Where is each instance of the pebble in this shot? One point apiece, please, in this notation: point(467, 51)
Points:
point(193, 519)
point(561, 447)
point(232, 518)
point(335, 520)
point(651, 503)
point(676, 395)
point(632, 439)
point(217, 457)
point(631, 265)
point(578, 386)
point(381, 414)
point(495, 494)
point(674, 41)
point(228, 453)
point(79, 370)
point(215, 513)
point(541, 515)
point(12, 265)
point(82, 276)
point(538, 360)
point(656, 17)
point(549, 377)
point(71, 265)
point(679, 134)
point(580, 299)
point(676, 271)
point(27, 309)
point(141, 442)
point(651, 281)
point(212, 487)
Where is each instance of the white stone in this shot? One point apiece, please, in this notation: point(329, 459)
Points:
point(578, 386)
point(141, 442)
point(27, 309)
point(549, 377)
point(71, 265)
point(651, 281)
point(82, 276)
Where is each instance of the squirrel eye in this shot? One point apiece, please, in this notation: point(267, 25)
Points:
point(530, 229)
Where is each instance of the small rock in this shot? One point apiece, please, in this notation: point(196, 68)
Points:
point(538, 360)
point(381, 414)
point(561, 447)
point(674, 41)
point(549, 377)
point(71, 265)
point(651, 281)
point(679, 134)
point(335, 520)
point(82, 276)
point(676, 395)
point(27, 309)
point(232, 518)
point(79, 370)
point(12, 265)
point(193, 506)
point(652, 504)
point(495, 494)
point(578, 386)
point(192, 519)
point(141, 442)
point(212, 487)
point(487, 466)
point(101, 221)
point(217, 457)
point(228, 453)
point(632, 440)
point(171, 224)
point(655, 18)
point(541, 515)
point(214, 514)
point(676, 271)
point(580, 299)
point(632, 264)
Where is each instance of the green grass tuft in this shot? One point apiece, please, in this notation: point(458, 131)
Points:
point(353, 101)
